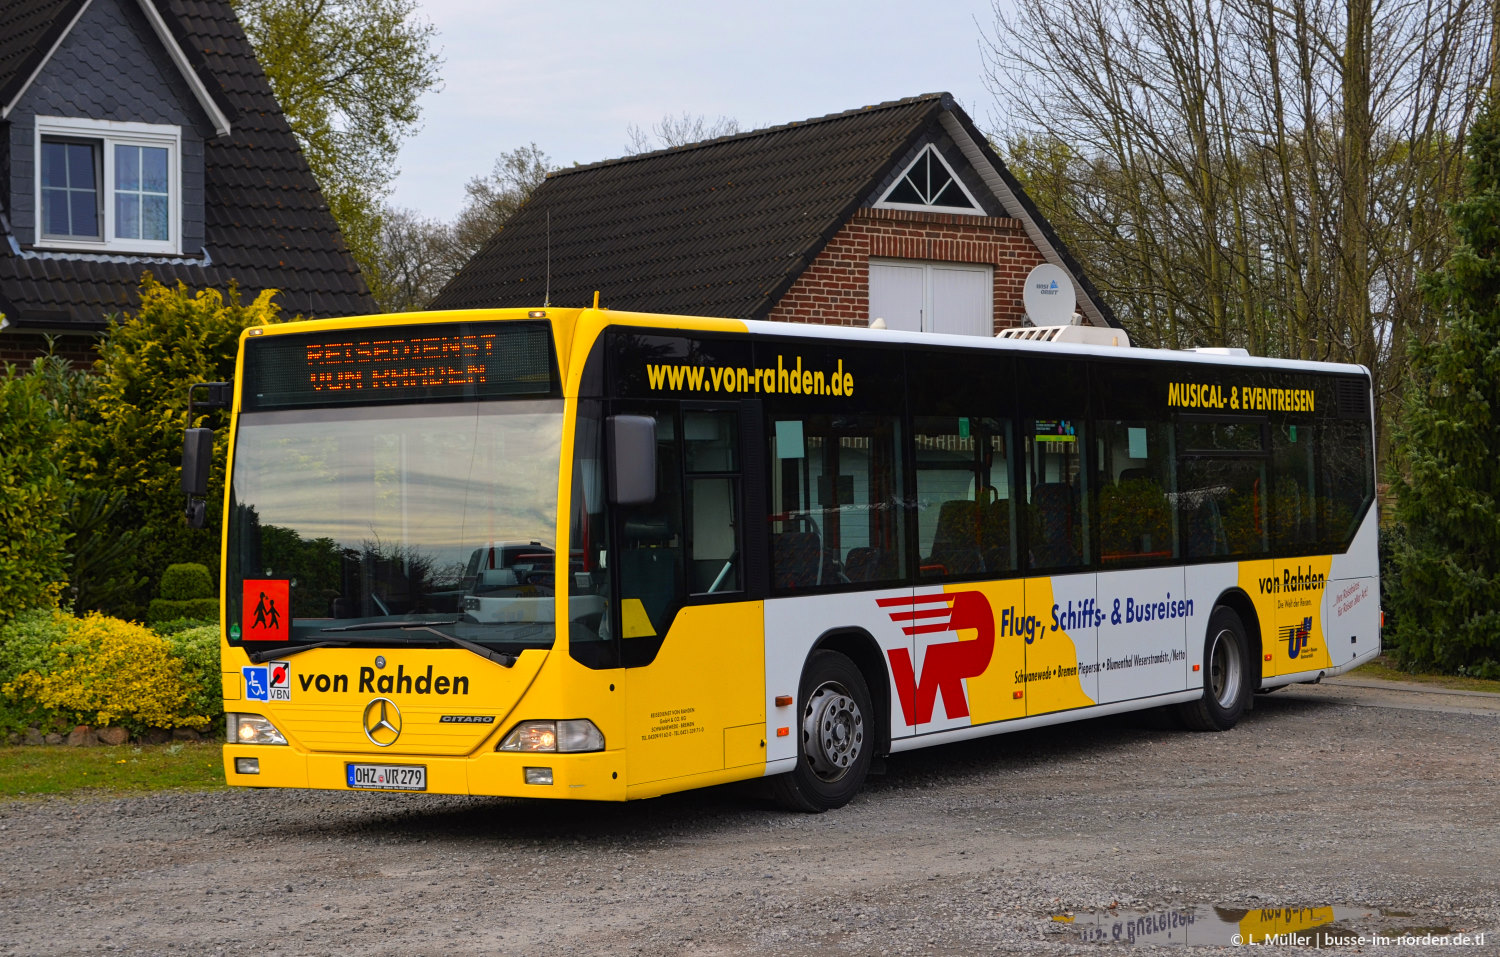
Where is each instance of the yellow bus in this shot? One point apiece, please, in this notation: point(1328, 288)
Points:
point(587, 554)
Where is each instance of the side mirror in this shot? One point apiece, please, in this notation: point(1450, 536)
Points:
point(632, 444)
point(198, 448)
point(197, 456)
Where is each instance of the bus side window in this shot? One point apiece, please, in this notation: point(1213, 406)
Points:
point(651, 547)
point(1293, 502)
point(1058, 499)
point(1221, 471)
point(589, 625)
point(965, 509)
point(836, 516)
point(711, 452)
point(1346, 481)
point(1137, 522)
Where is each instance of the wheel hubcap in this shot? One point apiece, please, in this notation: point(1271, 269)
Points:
point(1224, 669)
point(833, 731)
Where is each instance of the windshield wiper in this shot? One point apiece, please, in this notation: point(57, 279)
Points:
point(498, 658)
point(260, 657)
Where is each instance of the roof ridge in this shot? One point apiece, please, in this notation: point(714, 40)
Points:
point(939, 97)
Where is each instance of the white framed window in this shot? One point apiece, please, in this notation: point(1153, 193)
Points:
point(930, 184)
point(922, 296)
point(110, 186)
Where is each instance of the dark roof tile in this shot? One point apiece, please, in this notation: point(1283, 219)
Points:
point(265, 221)
point(28, 29)
point(723, 227)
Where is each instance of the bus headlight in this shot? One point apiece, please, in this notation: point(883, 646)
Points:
point(577, 734)
point(251, 729)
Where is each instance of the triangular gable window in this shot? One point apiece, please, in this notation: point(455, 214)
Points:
point(929, 183)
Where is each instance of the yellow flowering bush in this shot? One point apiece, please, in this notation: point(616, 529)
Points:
point(108, 671)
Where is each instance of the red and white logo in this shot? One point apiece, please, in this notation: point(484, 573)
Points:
point(945, 665)
point(280, 676)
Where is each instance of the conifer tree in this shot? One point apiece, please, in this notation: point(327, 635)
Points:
point(1444, 593)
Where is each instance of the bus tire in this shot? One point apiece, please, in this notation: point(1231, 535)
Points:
point(1226, 675)
point(836, 739)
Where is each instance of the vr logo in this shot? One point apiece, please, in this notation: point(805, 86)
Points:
point(946, 665)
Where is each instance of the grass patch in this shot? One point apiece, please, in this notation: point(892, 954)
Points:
point(1384, 669)
point(26, 771)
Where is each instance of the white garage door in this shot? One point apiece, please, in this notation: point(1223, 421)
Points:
point(898, 294)
point(933, 297)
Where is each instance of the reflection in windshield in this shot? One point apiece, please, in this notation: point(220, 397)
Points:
point(402, 512)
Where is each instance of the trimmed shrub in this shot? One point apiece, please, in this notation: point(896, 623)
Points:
point(25, 646)
point(186, 592)
point(107, 671)
point(196, 609)
point(186, 581)
point(198, 650)
point(169, 628)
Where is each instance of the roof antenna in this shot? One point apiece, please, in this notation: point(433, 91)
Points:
point(547, 292)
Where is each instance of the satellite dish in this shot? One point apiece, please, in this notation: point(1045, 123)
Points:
point(1049, 296)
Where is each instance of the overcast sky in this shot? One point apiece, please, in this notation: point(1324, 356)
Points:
point(573, 75)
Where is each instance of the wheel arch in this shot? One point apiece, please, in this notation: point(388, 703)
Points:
point(860, 647)
point(1237, 601)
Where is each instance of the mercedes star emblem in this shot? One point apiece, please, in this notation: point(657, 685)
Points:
point(382, 722)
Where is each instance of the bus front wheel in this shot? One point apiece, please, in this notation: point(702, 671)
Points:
point(1226, 675)
point(836, 740)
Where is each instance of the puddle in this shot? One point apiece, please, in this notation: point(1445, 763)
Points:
point(1316, 927)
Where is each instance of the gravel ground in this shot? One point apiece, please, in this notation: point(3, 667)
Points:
point(1357, 795)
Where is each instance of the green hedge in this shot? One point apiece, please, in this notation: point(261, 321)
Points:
point(25, 645)
point(199, 609)
point(186, 582)
point(198, 650)
point(33, 539)
point(57, 671)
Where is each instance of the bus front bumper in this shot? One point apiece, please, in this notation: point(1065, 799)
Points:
point(595, 776)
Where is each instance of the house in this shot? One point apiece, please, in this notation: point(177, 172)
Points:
point(142, 135)
point(900, 211)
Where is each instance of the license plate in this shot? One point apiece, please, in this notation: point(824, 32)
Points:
point(387, 777)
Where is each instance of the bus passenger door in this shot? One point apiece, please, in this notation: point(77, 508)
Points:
point(693, 644)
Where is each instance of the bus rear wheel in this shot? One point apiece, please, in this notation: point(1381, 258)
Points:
point(835, 740)
point(1226, 675)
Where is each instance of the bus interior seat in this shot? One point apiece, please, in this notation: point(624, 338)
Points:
point(866, 563)
point(1205, 529)
point(1053, 525)
point(994, 535)
point(956, 545)
point(796, 559)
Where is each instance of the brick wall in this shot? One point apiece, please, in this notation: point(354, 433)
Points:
point(19, 347)
point(834, 290)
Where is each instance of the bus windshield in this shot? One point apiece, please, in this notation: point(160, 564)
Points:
point(397, 514)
